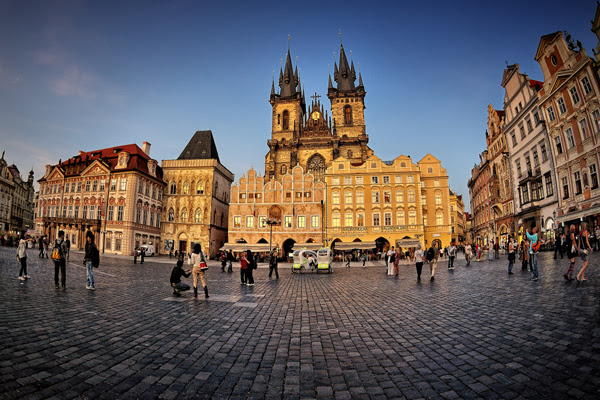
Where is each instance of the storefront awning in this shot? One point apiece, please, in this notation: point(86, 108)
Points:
point(354, 245)
point(407, 242)
point(307, 246)
point(254, 247)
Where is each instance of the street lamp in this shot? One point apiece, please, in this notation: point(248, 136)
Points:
point(272, 222)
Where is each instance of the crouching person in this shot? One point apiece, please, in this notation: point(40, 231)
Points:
point(176, 275)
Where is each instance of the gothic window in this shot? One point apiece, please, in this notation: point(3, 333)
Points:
point(198, 216)
point(347, 115)
point(184, 215)
point(283, 169)
point(186, 188)
point(200, 188)
point(173, 187)
point(171, 215)
point(316, 165)
point(286, 120)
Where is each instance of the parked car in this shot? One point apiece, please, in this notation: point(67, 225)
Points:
point(148, 248)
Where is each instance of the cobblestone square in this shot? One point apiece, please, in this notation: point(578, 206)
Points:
point(473, 332)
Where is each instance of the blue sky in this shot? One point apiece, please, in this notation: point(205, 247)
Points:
point(84, 75)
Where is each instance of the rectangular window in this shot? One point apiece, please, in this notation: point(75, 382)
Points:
point(360, 219)
point(347, 180)
point(111, 210)
point(145, 220)
point(78, 187)
point(87, 186)
point(360, 197)
point(398, 179)
point(67, 188)
point(551, 115)
point(76, 215)
point(348, 219)
point(439, 219)
point(528, 163)
point(306, 195)
point(113, 184)
point(237, 221)
point(583, 127)
point(375, 197)
point(287, 221)
point(375, 219)
point(570, 138)
point(314, 221)
point(250, 221)
point(374, 180)
point(335, 220)
point(399, 197)
point(359, 180)
point(151, 219)
point(525, 191)
point(387, 219)
point(522, 131)
point(102, 184)
point(387, 197)
point(534, 191)
point(594, 176)
point(117, 244)
point(92, 212)
point(153, 192)
point(557, 142)
point(158, 220)
point(574, 95)
point(95, 186)
point(565, 185)
point(561, 105)
point(335, 198)
point(262, 221)
point(412, 217)
point(159, 196)
point(138, 215)
point(141, 187)
point(70, 212)
point(123, 184)
point(73, 187)
point(84, 212)
point(518, 165)
point(544, 153)
point(540, 189)
point(411, 195)
point(549, 188)
point(386, 179)
point(425, 220)
point(120, 215)
point(335, 181)
point(410, 179)
point(436, 183)
point(301, 221)
point(298, 195)
point(536, 118)
point(577, 178)
point(400, 218)
point(64, 211)
point(596, 118)
point(528, 124)
point(587, 87)
point(348, 197)
point(536, 161)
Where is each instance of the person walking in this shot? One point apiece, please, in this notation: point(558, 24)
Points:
point(432, 257)
point(389, 261)
point(230, 260)
point(451, 255)
point(198, 261)
point(511, 254)
point(22, 256)
point(251, 267)
point(243, 267)
point(468, 253)
point(572, 252)
point(490, 250)
point(91, 259)
point(348, 259)
point(524, 254)
point(584, 250)
point(273, 264)
point(68, 243)
point(223, 261)
point(396, 261)
point(363, 257)
point(46, 244)
point(418, 261)
point(60, 264)
point(41, 247)
point(496, 250)
point(533, 242)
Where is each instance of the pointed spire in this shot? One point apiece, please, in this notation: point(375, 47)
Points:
point(360, 82)
point(346, 76)
point(289, 78)
point(273, 86)
point(330, 86)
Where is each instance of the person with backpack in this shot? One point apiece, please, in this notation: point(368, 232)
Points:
point(451, 255)
point(91, 259)
point(60, 264)
point(432, 256)
point(198, 260)
point(534, 246)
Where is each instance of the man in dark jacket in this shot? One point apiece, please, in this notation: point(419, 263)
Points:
point(60, 263)
point(176, 275)
point(273, 264)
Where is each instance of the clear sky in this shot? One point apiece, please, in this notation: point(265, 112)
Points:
point(84, 75)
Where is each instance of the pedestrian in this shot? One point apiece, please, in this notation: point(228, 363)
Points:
point(572, 251)
point(46, 244)
point(418, 261)
point(534, 246)
point(432, 257)
point(584, 250)
point(230, 259)
point(199, 267)
point(490, 250)
point(175, 280)
point(363, 257)
point(524, 254)
point(22, 256)
point(451, 255)
point(407, 255)
point(389, 261)
point(60, 264)
point(223, 261)
point(91, 259)
point(468, 253)
point(348, 259)
point(511, 254)
point(41, 246)
point(142, 254)
point(68, 243)
point(273, 264)
point(243, 268)
point(396, 261)
point(136, 252)
point(251, 267)
point(496, 250)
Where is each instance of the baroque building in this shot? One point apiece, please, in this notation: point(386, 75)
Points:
point(530, 158)
point(480, 197)
point(569, 100)
point(196, 200)
point(115, 192)
point(16, 199)
point(457, 218)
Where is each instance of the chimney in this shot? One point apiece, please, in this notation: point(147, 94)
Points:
point(146, 148)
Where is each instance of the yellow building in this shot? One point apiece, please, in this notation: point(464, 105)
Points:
point(116, 193)
point(457, 218)
point(382, 204)
point(196, 201)
point(283, 213)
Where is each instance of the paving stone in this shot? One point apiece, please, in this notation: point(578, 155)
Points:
point(351, 335)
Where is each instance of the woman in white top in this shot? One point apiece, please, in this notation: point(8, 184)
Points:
point(22, 257)
point(418, 260)
point(198, 260)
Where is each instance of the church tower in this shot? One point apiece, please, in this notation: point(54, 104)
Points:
point(347, 100)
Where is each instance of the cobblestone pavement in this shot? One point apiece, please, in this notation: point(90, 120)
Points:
point(474, 332)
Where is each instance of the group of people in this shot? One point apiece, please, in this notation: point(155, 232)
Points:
point(60, 255)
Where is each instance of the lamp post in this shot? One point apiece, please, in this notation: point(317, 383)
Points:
point(272, 222)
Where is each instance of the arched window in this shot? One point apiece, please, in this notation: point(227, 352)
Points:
point(438, 199)
point(186, 187)
point(347, 115)
point(173, 187)
point(286, 120)
point(184, 215)
point(200, 188)
point(198, 216)
point(171, 215)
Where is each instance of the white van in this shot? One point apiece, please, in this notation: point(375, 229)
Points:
point(149, 249)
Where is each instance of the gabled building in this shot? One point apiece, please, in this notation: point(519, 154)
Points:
point(196, 201)
point(16, 199)
point(480, 197)
point(115, 192)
